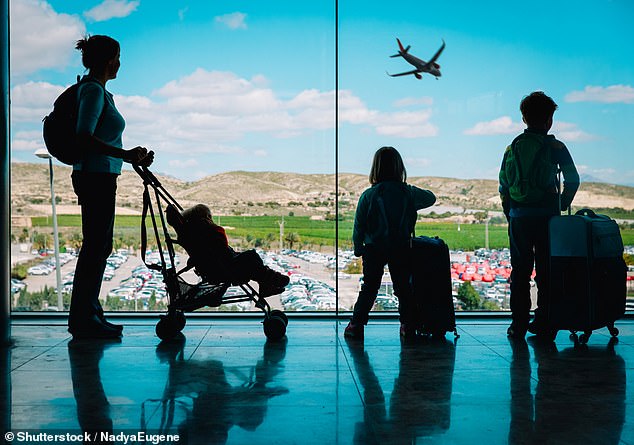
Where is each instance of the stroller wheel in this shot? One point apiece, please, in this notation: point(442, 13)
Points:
point(166, 328)
point(274, 327)
point(282, 315)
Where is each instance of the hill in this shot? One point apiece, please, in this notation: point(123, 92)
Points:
point(271, 193)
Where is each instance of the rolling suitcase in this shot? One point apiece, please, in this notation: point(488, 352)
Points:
point(587, 273)
point(431, 283)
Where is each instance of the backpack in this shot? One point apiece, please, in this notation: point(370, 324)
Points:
point(60, 126)
point(400, 235)
point(529, 168)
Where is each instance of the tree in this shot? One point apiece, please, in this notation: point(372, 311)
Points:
point(488, 305)
point(41, 240)
point(74, 240)
point(353, 267)
point(481, 216)
point(468, 296)
point(23, 237)
point(291, 238)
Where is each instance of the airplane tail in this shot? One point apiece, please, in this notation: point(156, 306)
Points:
point(402, 50)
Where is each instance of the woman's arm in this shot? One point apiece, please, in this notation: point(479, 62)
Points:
point(91, 105)
point(137, 155)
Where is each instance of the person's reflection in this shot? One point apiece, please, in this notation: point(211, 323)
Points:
point(420, 404)
point(521, 427)
point(579, 397)
point(215, 405)
point(93, 408)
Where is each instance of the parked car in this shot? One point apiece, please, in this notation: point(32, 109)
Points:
point(17, 285)
point(39, 270)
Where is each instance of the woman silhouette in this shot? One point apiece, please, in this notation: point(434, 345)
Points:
point(99, 131)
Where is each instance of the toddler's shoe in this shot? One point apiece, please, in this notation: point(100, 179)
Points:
point(268, 289)
point(280, 280)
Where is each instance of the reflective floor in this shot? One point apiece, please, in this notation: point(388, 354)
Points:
point(224, 383)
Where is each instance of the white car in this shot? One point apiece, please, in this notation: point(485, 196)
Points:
point(38, 270)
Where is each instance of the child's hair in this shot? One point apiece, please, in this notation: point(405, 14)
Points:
point(97, 51)
point(199, 211)
point(537, 109)
point(387, 165)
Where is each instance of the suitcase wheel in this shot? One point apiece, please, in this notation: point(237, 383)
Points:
point(583, 338)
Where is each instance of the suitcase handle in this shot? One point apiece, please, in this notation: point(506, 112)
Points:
point(586, 212)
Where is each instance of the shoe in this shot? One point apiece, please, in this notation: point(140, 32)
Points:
point(93, 327)
point(535, 326)
point(102, 317)
point(542, 331)
point(353, 331)
point(516, 332)
point(279, 279)
point(267, 290)
point(407, 331)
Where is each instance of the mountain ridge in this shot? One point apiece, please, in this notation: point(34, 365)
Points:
point(271, 193)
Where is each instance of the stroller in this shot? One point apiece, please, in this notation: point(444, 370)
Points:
point(183, 296)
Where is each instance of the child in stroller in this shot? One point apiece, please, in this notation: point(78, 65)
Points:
point(207, 244)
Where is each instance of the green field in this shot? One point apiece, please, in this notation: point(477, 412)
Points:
point(320, 233)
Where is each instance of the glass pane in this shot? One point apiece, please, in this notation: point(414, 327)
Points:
point(452, 130)
point(237, 101)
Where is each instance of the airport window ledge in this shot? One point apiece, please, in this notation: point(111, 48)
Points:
point(56, 317)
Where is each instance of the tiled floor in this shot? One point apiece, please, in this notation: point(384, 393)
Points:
point(223, 383)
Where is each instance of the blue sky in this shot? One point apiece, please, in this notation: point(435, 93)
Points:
point(244, 85)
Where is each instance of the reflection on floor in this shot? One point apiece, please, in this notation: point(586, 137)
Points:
point(224, 383)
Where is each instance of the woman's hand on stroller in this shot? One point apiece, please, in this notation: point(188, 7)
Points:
point(139, 156)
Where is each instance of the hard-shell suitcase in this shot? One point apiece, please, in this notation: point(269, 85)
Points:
point(431, 283)
point(587, 273)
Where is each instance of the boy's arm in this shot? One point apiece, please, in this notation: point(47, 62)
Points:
point(569, 172)
point(504, 187)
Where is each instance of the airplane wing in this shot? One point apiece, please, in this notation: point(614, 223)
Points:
point(433, 59)
point(407, 73)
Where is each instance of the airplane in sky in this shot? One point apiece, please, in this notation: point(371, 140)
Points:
point(421, 66)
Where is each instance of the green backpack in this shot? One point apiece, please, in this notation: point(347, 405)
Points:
point(529, 168)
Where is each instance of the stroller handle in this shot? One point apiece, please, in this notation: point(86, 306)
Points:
point(145, 174)
point(151, 180)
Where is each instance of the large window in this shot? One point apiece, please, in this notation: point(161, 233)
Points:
point(270, 114)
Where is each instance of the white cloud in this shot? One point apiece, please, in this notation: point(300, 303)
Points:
point(184, 163)
point(414, 101)
point(403, 124)
point(111, 9)
point(501, 125)
point(19, 144)
point(40, 37)
point(611, 94)
point(211, 112)
point(418, 162)
point(565, 131)
point(569, 132)
point(235, 20)
point(408, 125)
point(31, 101)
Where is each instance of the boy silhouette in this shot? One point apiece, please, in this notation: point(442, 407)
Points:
point(529, 191)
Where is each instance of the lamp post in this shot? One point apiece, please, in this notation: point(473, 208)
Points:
point(43, 154)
